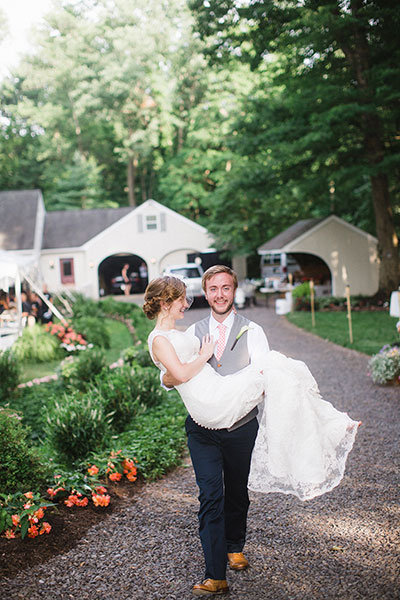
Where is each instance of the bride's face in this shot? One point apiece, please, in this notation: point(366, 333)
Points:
point(177, 308)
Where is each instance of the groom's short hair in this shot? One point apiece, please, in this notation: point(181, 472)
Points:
point(214, 270)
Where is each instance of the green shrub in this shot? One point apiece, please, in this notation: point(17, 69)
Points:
point(77, 426)
point(118, 389)
point(9, 374)
point(385, 366)
point(34, 402)
point(86, 307)
point(93, 329)
point(157, 437)
point(37, 345)
point(137, 355)
point(20, 466)
point(78, 371)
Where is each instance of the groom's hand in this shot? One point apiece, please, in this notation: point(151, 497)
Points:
point(169, 381)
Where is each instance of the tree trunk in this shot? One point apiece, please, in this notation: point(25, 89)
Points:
point(358, 56)
point(131, 174)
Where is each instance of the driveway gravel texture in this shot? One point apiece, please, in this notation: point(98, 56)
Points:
point(344, 544)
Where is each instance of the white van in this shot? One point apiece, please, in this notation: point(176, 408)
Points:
point(191, 274)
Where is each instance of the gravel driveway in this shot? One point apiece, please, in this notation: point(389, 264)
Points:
point(342, 545)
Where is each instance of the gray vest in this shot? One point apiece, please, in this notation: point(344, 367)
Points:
point(232, 360)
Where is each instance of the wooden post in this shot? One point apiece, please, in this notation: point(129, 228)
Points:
point(290, 277)
point(312, 302)
point(349, 313)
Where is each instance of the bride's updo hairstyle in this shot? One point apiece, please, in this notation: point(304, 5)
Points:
point(162, 290)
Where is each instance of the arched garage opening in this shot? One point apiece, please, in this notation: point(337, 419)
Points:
point(110, 273)
point(313, 267)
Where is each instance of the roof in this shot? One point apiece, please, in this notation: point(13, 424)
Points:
point(18, 212)
point(288, 235)
point(73, 228)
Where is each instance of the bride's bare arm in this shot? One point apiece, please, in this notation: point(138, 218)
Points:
point(164, 352)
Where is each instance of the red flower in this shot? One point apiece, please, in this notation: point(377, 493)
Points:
point(115, 476)
point(33, 531)
point(46, 528)
point(93, 470)
point(100, 500)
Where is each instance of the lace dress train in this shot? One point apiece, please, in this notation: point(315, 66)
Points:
point(303, 441)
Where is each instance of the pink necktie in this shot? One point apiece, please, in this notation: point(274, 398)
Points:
point(221, 341)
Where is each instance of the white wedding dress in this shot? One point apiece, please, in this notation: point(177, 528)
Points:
point(302, 442)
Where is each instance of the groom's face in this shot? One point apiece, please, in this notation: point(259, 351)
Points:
point(220, 293)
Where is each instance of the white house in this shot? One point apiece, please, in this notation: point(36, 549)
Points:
point(333, 250)
point(82, 250)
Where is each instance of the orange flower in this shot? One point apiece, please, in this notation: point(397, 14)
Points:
point(115, 476)
point(15, 520)
point(28, 495)
point(39, 513)
point(82, 502)
point(100, 500)
point(46, 528)
point(51, 492)
point(33, 519)
point(9, 533)
point(93, 470)
point(71, 500)
point(33, 531)
point(27, 505)
point(128, 464)
point(101, 490)
point(131, 476)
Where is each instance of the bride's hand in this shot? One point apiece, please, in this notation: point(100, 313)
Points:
point(207, 346)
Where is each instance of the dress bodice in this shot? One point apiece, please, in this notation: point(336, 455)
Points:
point(186, 345)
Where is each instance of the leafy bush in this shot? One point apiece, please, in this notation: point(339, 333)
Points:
point(137, 355)
point(20, 465)
point(78, 371)
point(9, 374)
point(157, 437)
point(86, 307)
point(385, 366)
point(94, 330)
point(78, 425)
point(118, 389)
point(36, 344)
point(34, 403)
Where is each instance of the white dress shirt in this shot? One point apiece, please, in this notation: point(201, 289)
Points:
point(257, 343)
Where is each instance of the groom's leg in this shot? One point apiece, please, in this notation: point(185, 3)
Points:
point(237, 448)
point(205, 450)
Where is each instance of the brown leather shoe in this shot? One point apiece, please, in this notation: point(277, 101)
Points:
point(237, 561)
point(210, 587)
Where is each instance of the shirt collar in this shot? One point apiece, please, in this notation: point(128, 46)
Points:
point(228, 322)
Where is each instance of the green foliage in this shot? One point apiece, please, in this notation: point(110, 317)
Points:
point(77, 425)
point(385, 366)
point(333, 326)
point(36, 344)
point(157, 437)
point(119, 390)
point(20, 465)
point(9, 374)
point(137, 355)
point(86, 307)
point(78, 371)
point(13, 505)
point(302, 290)
point(93, 329)
point(33, 403)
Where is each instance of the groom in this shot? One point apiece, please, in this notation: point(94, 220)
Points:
point(221, 458)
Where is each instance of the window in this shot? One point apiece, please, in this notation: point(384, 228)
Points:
point(151, 222)
point(67, 270)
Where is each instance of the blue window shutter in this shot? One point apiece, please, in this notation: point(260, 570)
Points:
point(140, 223)
point(163, 222)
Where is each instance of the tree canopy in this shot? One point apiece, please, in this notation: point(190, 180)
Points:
point(242, 115)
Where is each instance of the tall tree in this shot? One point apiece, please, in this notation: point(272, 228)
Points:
point(342, 58)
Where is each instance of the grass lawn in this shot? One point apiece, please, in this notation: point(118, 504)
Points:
point(371, 330)
point(120, 338)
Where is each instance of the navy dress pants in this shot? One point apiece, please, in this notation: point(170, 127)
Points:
point(221, 462)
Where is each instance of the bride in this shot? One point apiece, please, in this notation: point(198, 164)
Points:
point(302, 442)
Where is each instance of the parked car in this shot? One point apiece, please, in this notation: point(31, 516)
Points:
point(272, 268)
point(118, 284)
point(191, 274)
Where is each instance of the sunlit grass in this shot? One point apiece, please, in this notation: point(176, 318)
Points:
point(371, 330)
